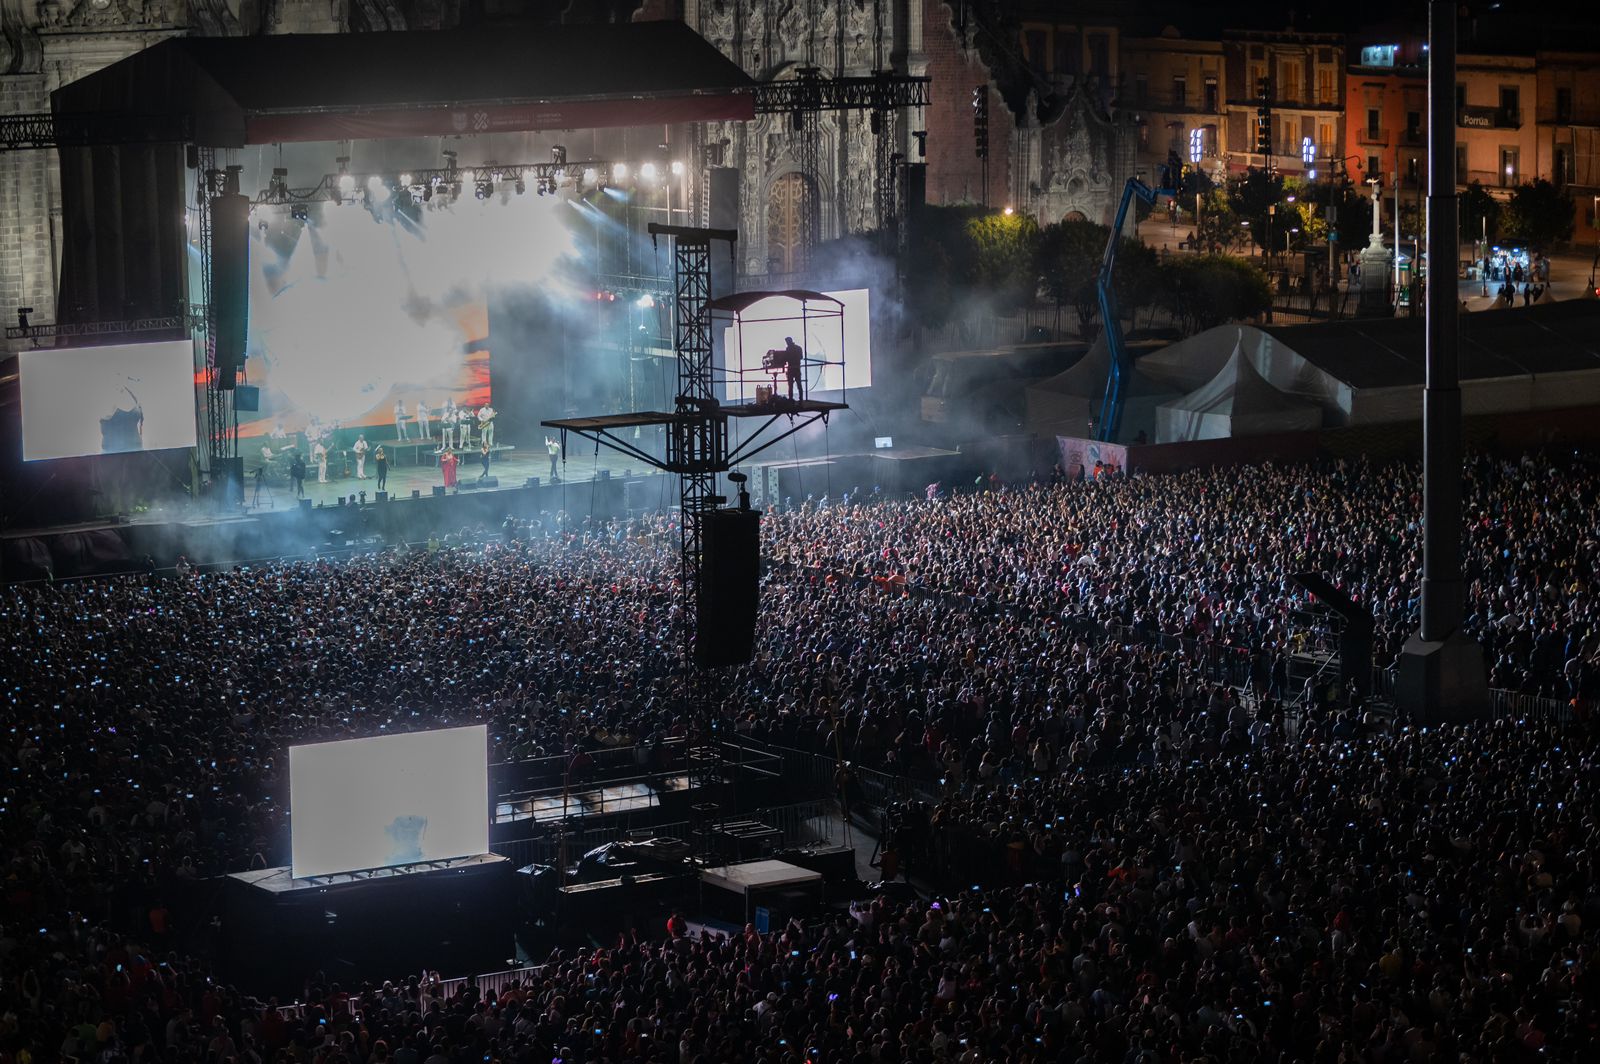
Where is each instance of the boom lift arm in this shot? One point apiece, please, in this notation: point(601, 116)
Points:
point(1170, 184)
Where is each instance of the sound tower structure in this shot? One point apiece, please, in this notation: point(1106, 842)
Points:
point(224, 223)
point(719, 561)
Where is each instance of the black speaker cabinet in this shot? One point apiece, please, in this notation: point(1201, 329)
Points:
point(729, 587)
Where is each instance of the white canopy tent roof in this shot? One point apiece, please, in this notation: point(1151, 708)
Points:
point(1067, 403)
point(1237, 401)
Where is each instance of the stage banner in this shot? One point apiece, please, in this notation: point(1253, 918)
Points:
point(1078, 456)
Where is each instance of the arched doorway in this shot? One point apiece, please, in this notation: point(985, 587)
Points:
point(1074, 216)
point(791, 224)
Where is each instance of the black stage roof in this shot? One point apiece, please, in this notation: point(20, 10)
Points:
point(356, 86)
point(1515, 342)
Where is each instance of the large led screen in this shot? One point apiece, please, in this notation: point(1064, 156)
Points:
point(767, 325)
point(107, 400)
point(354, 310)
point(388, 800)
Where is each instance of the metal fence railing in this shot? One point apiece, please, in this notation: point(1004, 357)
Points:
point(802, 823)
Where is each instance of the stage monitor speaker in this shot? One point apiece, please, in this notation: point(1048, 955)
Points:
point(416, 493)
point(729, 589)
point(382, 496)
point(305, 504)
point(247, 398)
point(603, 474)
point(230, 282)
point(228, 478)
point(531, 482)
point(438, 490)
point(723, 201)
point(489, 482)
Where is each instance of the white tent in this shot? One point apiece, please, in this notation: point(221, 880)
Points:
point(1238, 401)
point(1066, 404)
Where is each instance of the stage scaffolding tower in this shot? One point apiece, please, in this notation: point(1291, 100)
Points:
point(222, 420)
point(698, 451)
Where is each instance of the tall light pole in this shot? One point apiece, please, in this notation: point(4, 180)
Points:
point(1441, 668)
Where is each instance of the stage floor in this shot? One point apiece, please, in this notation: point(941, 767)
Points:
point(614, 798)
point(512, 468)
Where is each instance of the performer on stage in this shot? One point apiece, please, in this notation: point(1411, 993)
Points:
point(400, 418)
point(554, 450)
point(297, 474)
point(380, 462)
point(464, 420)
point(447, 427)
point(361, 448)
point(319, 454)
point(447, 463)
point(484, 455)
point(793, 359)
point(424, 431)
point(486, 415)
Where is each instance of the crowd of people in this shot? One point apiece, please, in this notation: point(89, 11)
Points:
point(1167, 866)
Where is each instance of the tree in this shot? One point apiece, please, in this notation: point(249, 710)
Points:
point(1220, 226)
point(1539, 214)
point(939, 263)
point(1252, 194)
point(1204, 291)
point(1479, 214)
point(1068, 266)
point(1004, 254)
point(1068, 259)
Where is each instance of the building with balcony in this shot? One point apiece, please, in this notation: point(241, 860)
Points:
point(1496, 135)
point(1306, 73)
point(1567, 130)
point(1173, 87)
point(1386, 110)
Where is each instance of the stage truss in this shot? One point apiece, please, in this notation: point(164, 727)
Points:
point(698, 449)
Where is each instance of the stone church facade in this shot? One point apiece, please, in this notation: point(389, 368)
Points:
point(796, 188)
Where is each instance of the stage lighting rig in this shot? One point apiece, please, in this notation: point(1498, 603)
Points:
point(300, 212)
point(558, 154)
point(648, 171)
point(522, 186)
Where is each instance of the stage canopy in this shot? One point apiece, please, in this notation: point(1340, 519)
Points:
point(1068, 403)
point(1238, 401)
point(364, 86)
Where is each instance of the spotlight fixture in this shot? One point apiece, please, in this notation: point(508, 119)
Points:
point(648, 171)
point(589, 175)
point(484, 188)
point(619, 172)
point(262, 225)
point(1009, 211)
point(645, 301)
point(521, 186)
point(405, 179)
point(347, 181)
point(558, 154)
point(300, 212)
point(677, 168)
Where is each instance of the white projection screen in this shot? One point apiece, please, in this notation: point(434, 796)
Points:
point(388, 800)
point(821, 342)
point(107, 400)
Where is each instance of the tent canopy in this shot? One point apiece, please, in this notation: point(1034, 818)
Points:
point(1238, 401)
point(355, 86)
point(1071, 399)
